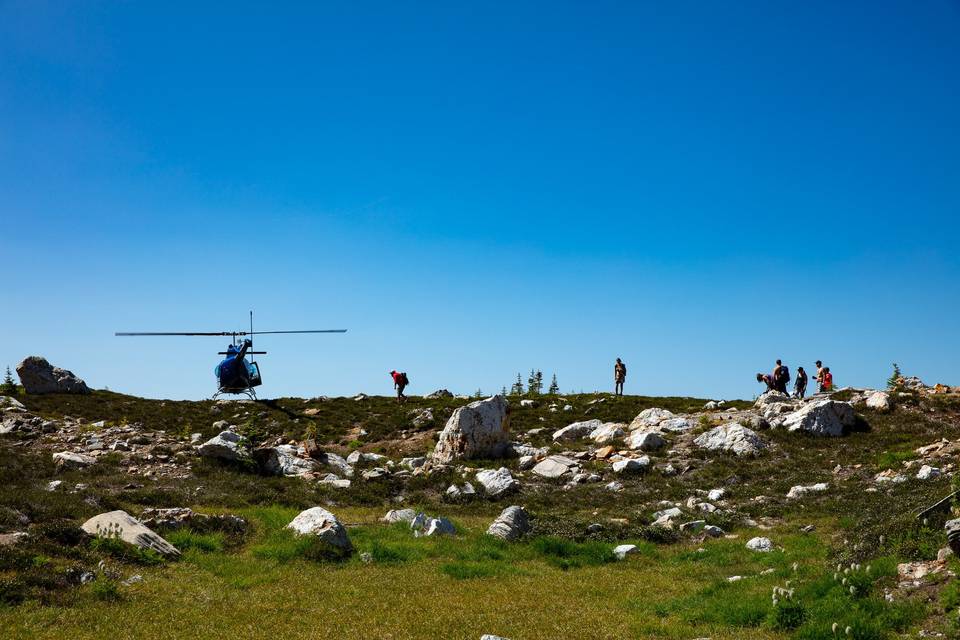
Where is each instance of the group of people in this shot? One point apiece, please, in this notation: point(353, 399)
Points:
point(780, 378)
point(775, 381)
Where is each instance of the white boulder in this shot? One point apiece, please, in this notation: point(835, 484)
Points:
point(497, 482)
point(399, 515)
point(608, 432)
point(623, 550)
point(879, 401)
point(760, 544)
point(927, 472)
point(631, 465)
point(645, 441)
point(70, 460)
point(650, 418)
point(121, 525)
point(284, 460)
point(576, 430)
point(227, 445)
point(820, 418)
point(477, 430)
point(799, 491)
point(319, 522)
point(731, 437)
point(512, 523)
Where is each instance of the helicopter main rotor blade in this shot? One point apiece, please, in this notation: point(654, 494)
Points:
point(257, 333)
point(220, 333)
point(168, 333)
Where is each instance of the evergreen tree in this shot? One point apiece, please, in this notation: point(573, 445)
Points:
point(517, 388)
point(503, 392)
point(554, 387)
point(532, 383)
point(893, 382)
point(478, 393)
point(539, 377)
point(9, 387)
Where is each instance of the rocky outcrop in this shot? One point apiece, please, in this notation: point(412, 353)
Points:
point(819, 418)
point(319, 522)
point(732, 437)
point(478, 430)
point(770, 397)
point(38, 377)
point(497, 482)
point(123, 526)
point(438, 394)
point(512, 524)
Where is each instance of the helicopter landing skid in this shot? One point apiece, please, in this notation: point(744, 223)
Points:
point(250, 393)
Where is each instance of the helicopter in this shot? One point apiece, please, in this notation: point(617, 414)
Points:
point(235, 374)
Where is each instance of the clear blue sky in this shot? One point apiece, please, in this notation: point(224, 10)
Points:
point(697, 187)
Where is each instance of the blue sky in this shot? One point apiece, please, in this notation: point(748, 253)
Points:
point(696, 187)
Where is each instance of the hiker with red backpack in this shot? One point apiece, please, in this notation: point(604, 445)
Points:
point(400, 381)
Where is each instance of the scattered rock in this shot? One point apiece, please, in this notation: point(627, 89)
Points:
point(608, 432)
point(623, 550)
point(732, 437)
point(576, 430)
point(927, 472)
point(426, 526)
point(528, 404)
point(799, 491)
point(284, 460)
point(70, 460)
point(555, 466)
point(319, 522)
point(631, 465)
point(650, 418)
point(399, 515)
point(438, 394)
point(121, 525)
point(478, 430)
point(889, 476)
point(497, 482)
point(645, 441)
point(512, 523)
point(39, 377)
point(879, 401)
point(763, 545)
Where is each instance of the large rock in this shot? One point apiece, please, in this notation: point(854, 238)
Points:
point(576, 430)
point(650, 418)
point(819, 418)
point(227, 445)
point(439, 393)
point(678, 425)
point(511, 524)
point(798, 491)
point(399, 515)
point(121, 525)
point(425, 526)
point(334, 461)
point(555, 466)
point(732, 437)
point(39, 376)
point(284, 460)
point(645, 441)
point(319, 522)
point(497, 482)
point(478, 430)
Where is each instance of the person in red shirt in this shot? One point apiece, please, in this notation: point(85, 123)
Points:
point(400, 381)
point(827, 379)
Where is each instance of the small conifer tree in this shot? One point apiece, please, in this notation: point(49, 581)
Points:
point(517, 388)
point(554, 387)
point(9, 387)
point(893, 381)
